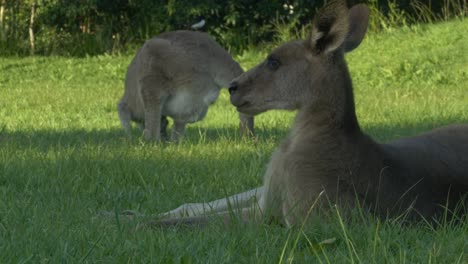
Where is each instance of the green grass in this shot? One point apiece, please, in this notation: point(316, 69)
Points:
point(64, 157)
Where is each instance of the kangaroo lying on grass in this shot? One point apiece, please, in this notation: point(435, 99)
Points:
point(326, 158)
point(176, 74)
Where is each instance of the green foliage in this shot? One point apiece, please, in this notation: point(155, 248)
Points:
point(64, 157)
point(91, 27)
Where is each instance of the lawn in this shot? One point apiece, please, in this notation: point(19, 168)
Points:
point(64, 158)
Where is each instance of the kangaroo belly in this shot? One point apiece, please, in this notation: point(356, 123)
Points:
point(189, 107)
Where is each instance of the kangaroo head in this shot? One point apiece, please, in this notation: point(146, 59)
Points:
point(297, 72)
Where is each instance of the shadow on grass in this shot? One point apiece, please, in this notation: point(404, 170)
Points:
point(113, 176)
point(124, 180)
point(46, 139)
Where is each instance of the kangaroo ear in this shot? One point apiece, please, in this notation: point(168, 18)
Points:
point(358, 23)
point(330, 28)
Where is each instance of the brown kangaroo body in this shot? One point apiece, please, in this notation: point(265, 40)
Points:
point(326, 157)
point(177, 74)
point(432, 167)
point(418, 176)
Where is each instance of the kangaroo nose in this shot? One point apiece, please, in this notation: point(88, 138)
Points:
point(232, 87)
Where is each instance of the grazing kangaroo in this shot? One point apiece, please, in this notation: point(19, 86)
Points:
point(326, 158)
point(176, 74)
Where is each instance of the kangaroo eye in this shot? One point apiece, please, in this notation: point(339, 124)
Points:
point(273, 63)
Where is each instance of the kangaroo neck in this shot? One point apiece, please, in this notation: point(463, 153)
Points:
point(335, 110)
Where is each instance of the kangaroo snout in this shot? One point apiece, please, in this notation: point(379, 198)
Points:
point(232, 87)
point(235, 96)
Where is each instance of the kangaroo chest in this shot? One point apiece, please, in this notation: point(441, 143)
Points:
point(189, 106)
point(296, 176)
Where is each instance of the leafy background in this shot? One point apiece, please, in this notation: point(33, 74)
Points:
point(90, 27)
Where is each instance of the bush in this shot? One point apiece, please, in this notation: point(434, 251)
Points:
point(89, 27)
